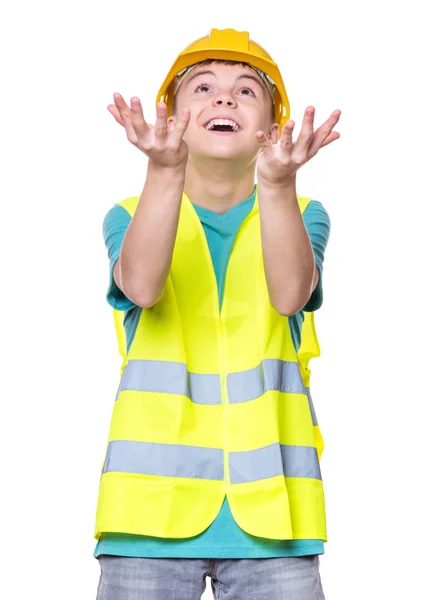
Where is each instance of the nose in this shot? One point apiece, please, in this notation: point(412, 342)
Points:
point(225, 99)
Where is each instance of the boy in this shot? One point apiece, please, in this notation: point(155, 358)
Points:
point(214, 448)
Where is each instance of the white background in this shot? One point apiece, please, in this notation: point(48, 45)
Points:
point(65, 162)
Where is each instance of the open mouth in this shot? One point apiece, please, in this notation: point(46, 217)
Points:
point(223, 125)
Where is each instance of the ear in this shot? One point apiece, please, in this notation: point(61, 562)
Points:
point(274, 133)
point(171, 122)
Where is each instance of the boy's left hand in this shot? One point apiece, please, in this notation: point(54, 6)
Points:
point(278, 162)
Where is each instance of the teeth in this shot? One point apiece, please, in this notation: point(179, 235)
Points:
point(214, 122)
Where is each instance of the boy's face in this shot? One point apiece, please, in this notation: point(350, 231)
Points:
point(237, 95)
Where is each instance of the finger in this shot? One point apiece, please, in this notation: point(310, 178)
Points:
point(286, 137)
point(137, 118)
point(161, 125)
point(125, 115)
point(335, 135)
point(121, 106)
point(306, 133)
point(180, 126)
point(263, 140)
point(115, 112)
point(323, 132)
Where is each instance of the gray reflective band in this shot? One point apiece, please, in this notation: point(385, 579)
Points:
point(252, 465)
point(273, 460)
point(168, 460)
point(271, 374)
point(176, 460)
point(311, 405)
point(174, 378)
point(170, 378)
point(300, 461)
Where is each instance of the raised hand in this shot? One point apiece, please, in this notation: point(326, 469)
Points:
point(163, 142)
point(279, 162)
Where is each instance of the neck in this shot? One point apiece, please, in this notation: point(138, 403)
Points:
point(218, 185)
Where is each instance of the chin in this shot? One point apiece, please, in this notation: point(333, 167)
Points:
point(224, 151)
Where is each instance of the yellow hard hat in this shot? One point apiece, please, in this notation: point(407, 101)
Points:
point(228, 44)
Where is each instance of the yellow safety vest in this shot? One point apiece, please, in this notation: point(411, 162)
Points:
point(214, 402)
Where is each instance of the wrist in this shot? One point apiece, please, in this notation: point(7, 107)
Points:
point(278, 191)
point(174, 172)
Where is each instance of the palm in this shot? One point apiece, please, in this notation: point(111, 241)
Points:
point(281, 159)
point(163, 142)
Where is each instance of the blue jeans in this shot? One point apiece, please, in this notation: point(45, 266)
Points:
point(124, 578)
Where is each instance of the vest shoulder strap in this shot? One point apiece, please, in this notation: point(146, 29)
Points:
point(130, 204)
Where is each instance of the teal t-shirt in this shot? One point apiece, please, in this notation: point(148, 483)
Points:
point(223, 538)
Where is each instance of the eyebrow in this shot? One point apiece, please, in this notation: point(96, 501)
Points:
point(245, 75)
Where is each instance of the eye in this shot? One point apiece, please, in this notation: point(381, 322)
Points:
point(203, 87)
point(245, 91)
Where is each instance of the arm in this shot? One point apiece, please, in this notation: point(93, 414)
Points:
point(287, 252)
point(147, 248)
point(290, 268)
point(146, 252)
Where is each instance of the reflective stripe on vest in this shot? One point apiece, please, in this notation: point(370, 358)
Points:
point(176, 460)
point(168, 460)
point(170, 378)
point(271, 374)
point(273, 460)
point(174, 378)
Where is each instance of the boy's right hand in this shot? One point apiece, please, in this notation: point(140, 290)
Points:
point(163, 143)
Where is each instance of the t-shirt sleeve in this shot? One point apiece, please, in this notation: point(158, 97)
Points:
point(317, 223)
point(114, 228)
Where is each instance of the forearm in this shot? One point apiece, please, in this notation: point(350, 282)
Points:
point(287, 252)
point(148, 245)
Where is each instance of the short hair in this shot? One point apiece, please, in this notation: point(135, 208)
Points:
point(210, 61)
